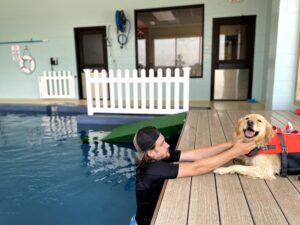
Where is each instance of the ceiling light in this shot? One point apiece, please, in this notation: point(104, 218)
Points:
point(164, 16)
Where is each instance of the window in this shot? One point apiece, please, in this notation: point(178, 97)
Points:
point(170, 38)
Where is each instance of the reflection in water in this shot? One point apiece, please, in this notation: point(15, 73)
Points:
point(3, 138)
point(109, 163)
point(59, 127)
point(54, 127)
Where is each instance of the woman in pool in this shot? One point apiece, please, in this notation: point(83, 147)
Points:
point(155, 165)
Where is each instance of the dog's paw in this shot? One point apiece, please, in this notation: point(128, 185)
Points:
point(221, 170)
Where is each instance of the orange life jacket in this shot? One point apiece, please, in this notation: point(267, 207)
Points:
point(280, 143)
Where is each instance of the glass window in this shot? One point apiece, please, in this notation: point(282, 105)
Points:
point(232, 42)
point(142, 53)
point(170, 38)
point(163, 58)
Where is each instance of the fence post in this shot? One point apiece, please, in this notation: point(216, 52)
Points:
point(111, 88)
point(168, 89)
point(176, 88)
point(127, 90)
point(143, 88)
point(135, 89)
point(88, 91)
point(186, 88)
point(104, 89)
point(71, 85)
point(47, 81)
point(151, 89)
point(96, 85)
point(119, 89)
point(43, 86)
point(159, 87)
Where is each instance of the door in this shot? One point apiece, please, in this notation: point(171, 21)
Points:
point(232, 58)
point(91, 53)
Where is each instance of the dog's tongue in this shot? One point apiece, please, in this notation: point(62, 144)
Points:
point(249, 133)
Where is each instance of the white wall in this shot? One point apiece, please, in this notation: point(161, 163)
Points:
point(54, 20)
point(283, 55)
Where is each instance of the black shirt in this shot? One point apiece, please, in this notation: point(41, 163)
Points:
point(150, 177)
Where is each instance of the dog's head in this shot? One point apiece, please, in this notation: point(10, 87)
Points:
point(254, 127)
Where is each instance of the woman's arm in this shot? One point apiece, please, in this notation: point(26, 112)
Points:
point(204, 152)
point(206, 165)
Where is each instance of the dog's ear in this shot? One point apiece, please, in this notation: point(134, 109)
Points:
point(237, 129)
point(269, 132)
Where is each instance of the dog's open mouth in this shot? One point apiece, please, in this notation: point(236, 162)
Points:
point(250, 133)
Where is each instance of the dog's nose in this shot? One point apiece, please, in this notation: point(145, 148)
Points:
point(250, 123)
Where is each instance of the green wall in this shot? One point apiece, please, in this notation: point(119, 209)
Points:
point(54, 20)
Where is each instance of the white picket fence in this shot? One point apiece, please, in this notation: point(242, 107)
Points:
point(132, 94)
point(57, 84)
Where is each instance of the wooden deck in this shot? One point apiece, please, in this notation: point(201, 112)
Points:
point(227, 199)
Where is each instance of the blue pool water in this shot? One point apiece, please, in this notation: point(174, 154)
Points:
point(47, 176)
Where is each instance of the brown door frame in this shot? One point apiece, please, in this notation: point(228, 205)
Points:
point(79, 52)
point(232, 64)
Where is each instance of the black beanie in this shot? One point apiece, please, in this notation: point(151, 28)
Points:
point(146, 137)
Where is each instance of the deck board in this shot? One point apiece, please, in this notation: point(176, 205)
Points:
point(287, 197)
point(229, 199)
point(177, 192)
point(284, 191)
point(258, 194)
point(229, 188)
point(203, 201)
point(295, 180)
point(263, 206)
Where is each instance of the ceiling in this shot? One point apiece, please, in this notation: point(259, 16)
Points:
point(169, 17)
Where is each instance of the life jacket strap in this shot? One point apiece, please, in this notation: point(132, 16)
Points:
point(284, 154)
point(257, 149)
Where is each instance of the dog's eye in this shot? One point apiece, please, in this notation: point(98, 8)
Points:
point(259, 121)
point(247, 118)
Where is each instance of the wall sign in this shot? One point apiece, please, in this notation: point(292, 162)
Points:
point(15, 52)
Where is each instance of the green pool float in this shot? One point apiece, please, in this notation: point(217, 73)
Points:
point(170, 125)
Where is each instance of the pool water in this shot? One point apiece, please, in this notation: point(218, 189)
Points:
point(49, 176)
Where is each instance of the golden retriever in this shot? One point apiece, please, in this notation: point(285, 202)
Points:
point(265, 166)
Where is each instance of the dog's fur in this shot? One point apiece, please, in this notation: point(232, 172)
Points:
point(265, 166)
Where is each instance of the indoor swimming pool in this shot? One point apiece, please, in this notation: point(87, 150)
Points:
point(50, 176)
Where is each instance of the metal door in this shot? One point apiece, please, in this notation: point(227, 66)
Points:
point(232, 58)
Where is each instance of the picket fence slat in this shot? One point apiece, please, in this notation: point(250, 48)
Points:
point(152, 94)
point(127, 90)
point(112, 91)
point(96, 88)
point(104, 89)
point(120, 90)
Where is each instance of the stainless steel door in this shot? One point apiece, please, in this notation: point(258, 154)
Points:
point(231, 84)
point(232, 58)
